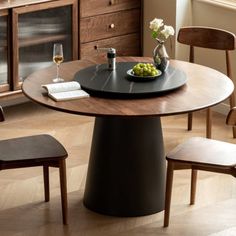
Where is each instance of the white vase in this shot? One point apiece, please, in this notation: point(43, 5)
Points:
point(160, 57)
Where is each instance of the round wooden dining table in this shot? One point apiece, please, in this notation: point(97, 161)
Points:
point(126, 171)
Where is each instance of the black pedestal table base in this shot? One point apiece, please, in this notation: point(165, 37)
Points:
point(126, 173)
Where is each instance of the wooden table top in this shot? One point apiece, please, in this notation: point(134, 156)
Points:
point(205, 87)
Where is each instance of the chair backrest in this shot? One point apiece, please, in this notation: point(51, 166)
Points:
point(212, 38)
point(231, 118)
point(2, 118)
point(206, 37)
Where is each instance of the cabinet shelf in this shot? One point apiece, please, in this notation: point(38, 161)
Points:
point(36, 40)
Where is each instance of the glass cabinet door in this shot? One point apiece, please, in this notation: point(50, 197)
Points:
point(4, 50)
point(37, 30)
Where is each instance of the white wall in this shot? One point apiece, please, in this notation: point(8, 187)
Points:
point(218, 17)
point(174, 12)
point(180, 13)
point(165, 10)
point(183, 18)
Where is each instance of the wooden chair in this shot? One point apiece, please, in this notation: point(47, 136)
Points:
point(38, 150)
point(211, 38)
point(200, 154)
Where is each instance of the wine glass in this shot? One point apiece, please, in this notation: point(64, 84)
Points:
point(58, 59)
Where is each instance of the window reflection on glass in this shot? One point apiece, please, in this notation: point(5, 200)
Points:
point(3, 50)
point(37, 33)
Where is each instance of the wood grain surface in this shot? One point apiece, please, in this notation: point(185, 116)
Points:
point(104, 6)
point(205, 87)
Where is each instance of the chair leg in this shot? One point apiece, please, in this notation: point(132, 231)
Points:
point(234, 131)
point(208, 123)
point(232, 97)
point(193, 186)
point(169, 182)
point(64, 204)
point(190, 121)
point(46, 183)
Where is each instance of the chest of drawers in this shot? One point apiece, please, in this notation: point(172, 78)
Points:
point(110, 23)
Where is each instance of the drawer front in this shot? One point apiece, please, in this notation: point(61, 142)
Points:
point(98, 7)
point(128, 45)
point(109, 25)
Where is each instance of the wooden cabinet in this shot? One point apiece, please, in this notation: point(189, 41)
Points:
point(35, 27)
point(110, 23)
point(100, 7)
point(29, 28)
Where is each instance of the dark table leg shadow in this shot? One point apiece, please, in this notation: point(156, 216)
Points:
point(126, 173)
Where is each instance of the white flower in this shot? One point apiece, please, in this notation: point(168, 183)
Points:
point(156, 24)
point(167, 31)
point(160, 32)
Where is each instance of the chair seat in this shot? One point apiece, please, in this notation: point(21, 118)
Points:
point(199, 150)
point(35, 148)
point(38, 150)
point(200, 154)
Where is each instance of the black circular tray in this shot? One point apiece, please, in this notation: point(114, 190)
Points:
point(97, 80)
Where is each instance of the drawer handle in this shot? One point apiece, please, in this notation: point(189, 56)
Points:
point(112, 26)
point(112, 2)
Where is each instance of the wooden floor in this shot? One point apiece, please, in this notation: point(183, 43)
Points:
point(24, 213)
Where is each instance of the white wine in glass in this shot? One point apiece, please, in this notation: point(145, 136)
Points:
point(58, 59)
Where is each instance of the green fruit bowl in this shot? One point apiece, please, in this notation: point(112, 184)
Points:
point(142, 78)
